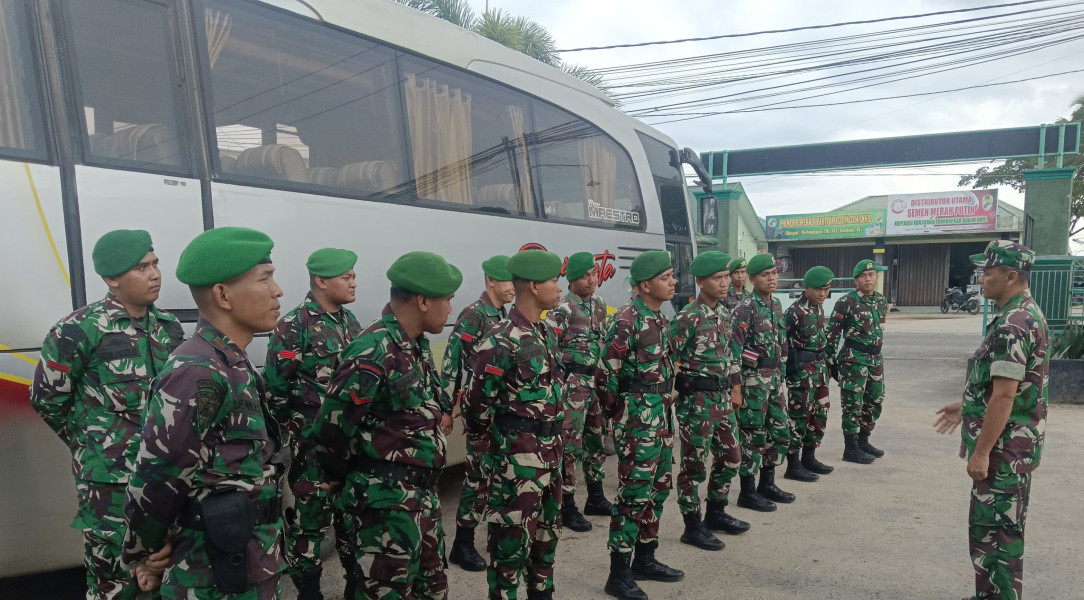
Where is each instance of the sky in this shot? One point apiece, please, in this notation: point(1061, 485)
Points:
point(579, 23)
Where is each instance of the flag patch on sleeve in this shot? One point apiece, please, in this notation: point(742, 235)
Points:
point(287, 354)
point(466, 337)
point(58, 367)
point(492, 370)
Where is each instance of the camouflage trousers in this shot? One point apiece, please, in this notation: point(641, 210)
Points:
point(101, 517)
point(706, 425)
point(644, 437)
point(999, 508)
point(267, 589)
point(808, 410)
point(861, 393)
point(308, 520)
point(764, 426)
point(477, 472)
point(398, 554)
point(583, 436)
point(524, 517)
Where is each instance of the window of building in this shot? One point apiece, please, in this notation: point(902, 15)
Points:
point(298, 103)
point(125, 75)
point(21, 128)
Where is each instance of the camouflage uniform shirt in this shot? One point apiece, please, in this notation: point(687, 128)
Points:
point(579, 324)
point(383, 405)
point(858, 317)
point(472, 324)
point(635, 326)
point(1015, 348)
point(804, 323)
point(702, 342)
point(94, 381)
point(758, 334)
point(733, 299)
point(207, 429)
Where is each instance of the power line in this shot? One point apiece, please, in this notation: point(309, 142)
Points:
point(805, 28)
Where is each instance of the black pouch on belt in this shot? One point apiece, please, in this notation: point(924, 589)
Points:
point(227, 519)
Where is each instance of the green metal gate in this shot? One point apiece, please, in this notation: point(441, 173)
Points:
point(1057, 284)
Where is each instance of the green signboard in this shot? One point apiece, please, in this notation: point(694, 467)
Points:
point(839, 224)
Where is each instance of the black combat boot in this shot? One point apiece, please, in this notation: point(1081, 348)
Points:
point(698, 535)
point(750, 498)
point(853, 453)
point(540, 595)
point(769, 490)
point(716, 519)
point(463, 552)
point(863, 443)
point(797, 471)
point(597, 505)
point(620, 584)
point(646, 566)
point(810, 462)
point(308, 585)
point(571, 516)
point(350, 574)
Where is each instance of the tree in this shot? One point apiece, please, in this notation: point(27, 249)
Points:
point(518, 33)
point(1011, 173)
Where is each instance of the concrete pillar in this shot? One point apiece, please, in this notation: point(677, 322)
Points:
point(1048, 201)
point(879, 261)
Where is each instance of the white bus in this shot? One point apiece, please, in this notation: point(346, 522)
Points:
point(359, 124)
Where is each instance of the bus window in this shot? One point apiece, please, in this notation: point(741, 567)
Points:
point(125, 76)
point(669, 184)
point(468, 137)
point(302, 104)
point(21, 130)
point(583, 175)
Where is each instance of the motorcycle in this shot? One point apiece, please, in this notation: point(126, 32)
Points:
point(956, 299)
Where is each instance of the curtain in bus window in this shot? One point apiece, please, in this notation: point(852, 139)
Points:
point(515, 121)
point(440, 133)
point(20, 122)
point(11, 125)
point(600, 177)
point(218, 25)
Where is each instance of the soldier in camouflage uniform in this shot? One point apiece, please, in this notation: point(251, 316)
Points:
point(807, 376)
point(209, 463)
point(634, 382)
point(471, 326)
point(760, 342)
point(738, 277)
point(1004, 420)
point(380, 436)
point(578, 322)
point(707, 425)
point(91, 387)
point(301, 358)
point(857, 320)
point(515, 405)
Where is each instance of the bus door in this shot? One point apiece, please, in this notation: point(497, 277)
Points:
point(133, 147)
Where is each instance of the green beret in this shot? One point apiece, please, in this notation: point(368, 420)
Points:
point(818, 277)
point(331, 262)
point(424, 273)
point(737, 264)
point(709, 263)
point(1005, 253)
point(497, 268)
point(649, 265)
point(220, 254)
point(760, 262)
point(118, 251)
point(534, 265)
point(578, 265)
point(864, 265)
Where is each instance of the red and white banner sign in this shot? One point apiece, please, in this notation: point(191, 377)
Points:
point(942, 212)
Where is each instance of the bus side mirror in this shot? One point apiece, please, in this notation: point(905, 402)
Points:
point(709, 216)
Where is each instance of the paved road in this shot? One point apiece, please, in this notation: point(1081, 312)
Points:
point(895, 529)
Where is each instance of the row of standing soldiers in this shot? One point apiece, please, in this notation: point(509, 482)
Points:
point(179, 445)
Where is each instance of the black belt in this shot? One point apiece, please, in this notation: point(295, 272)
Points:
point(514, 424)
point(579, 369)
point(635, 387)
point(853, 345)
point(765, 362)
point(263, 512)
point(806, 356)
point(695, 383)
point(422, 477)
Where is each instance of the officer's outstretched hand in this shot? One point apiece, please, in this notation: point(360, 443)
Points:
point(949, 417)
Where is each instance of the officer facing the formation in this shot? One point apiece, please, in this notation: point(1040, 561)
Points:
point(760, 343)
point(738, 277)
point(807, 376)
point(634, 383)
point(857, 319)
point(95, 377)
point(578, 322)
point(301, 358)
point(207, 468)
point(1004, 420)
point(380, 436)
point(708, 427)
point(515, 405)
point(471, 327)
